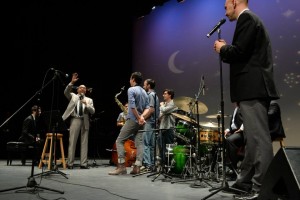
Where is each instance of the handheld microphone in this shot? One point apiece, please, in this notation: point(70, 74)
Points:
point(222, 21)
point(60, 72)
point(81, 96)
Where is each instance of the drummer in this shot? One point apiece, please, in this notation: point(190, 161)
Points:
point(166, 123)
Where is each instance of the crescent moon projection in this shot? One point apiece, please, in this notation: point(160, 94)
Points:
point(171, 64)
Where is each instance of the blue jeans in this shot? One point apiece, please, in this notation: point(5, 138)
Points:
point(149, 144)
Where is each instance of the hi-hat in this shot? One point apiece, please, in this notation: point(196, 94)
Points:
point(215, 116)
point(209, 124)
point(185, 118)
point(188, 104)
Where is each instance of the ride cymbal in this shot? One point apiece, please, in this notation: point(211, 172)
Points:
point(185, 118)
point(209, 124)
point(188, 104)
point(215, 116)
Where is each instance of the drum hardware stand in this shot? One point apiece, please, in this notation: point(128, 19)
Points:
point(32, 184)
point(217, 153)
point(224, 185)
point(215, 164)
point(162, 168)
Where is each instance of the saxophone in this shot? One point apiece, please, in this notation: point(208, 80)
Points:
point(123, 108)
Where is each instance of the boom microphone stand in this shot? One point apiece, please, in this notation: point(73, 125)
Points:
point(31, 180)
point(55, 121)
point(32, 184)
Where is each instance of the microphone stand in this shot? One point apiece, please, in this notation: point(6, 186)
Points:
point(224, 185)
point(31, 180)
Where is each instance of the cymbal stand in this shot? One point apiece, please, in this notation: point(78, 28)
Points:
point(198, 179)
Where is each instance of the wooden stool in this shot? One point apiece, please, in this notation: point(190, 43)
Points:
point(280, 140)
point(47, 155)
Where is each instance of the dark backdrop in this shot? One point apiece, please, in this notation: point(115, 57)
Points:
point(90, 38)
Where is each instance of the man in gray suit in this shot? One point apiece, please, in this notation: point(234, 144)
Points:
point(78, 109)
point(252, 86)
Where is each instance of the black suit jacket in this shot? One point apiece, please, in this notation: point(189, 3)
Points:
point(29, 130)
point(250, 59)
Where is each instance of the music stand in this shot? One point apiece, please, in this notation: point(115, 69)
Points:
point(53, 120)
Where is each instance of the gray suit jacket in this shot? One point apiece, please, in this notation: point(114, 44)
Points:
point(73, 99)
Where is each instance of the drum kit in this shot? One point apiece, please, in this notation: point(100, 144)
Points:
point(181, 157)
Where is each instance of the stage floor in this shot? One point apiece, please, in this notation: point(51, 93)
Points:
point(95, 183)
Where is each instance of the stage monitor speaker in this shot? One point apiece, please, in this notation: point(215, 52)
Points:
point(283, 176)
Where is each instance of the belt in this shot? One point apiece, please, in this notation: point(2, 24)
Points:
point(78, 117)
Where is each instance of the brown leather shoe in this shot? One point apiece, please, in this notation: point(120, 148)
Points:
point(136, 170)
point(121, 169)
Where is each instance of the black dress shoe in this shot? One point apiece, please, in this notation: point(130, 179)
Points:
point(253, 195)
point(84, 167)
point(236, 189)
point(231, 177)
point(70, 167)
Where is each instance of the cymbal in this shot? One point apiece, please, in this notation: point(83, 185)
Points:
point(209, 124)
point(188, 104)
point(185, 118)
point(215, 116)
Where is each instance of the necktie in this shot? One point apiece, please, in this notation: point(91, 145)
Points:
point(80, 109)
